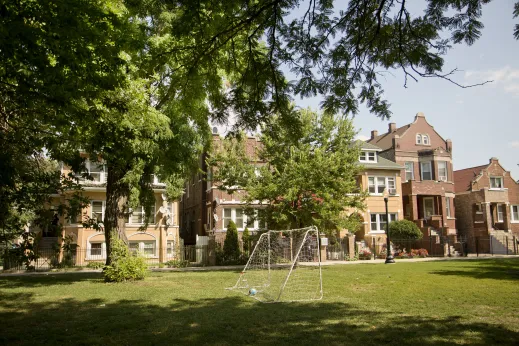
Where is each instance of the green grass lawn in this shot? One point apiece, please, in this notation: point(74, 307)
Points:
point(429, 303)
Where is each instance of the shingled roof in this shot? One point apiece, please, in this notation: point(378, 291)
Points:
point(385, 140)
point(463, 178)
point(382, 163)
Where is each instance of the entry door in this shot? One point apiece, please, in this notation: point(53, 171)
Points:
point(428, 207)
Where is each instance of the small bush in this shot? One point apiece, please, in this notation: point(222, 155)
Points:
point(365, 253)
point(404, 230)
point(246, 239)
point(124, 267)
point(231, 247)
point(419, 253)
point(95, 265)
point(177, 263)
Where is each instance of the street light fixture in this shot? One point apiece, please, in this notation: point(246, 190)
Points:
point(389, 255)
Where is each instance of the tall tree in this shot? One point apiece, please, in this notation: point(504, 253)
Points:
point(299, 179)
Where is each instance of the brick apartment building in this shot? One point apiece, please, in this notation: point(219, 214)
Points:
point(427, 179)
point(206, 210)
point(487, 202)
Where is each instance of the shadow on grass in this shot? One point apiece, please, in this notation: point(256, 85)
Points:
point(498, 269)
point(47, 279)
point(227, 321)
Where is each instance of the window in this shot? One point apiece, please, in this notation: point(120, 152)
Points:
point(97, 210)
point(134, 247)
point(500, 215)
point(428, 207)
point(377, 185)
point(170, 248)
point(241, 220)
point(227, 217)
point(514, 211)
point(378, 221)
point(425, 139)
point(418, 139)
point(478, 209)
point(96, 249)
point(409, 171)
point(442, 170)
point(97, 170)
point(448, 206)
point(496, 182)
point(426, 170)
point(149, 248)
point(137, 216)
point(368, 156)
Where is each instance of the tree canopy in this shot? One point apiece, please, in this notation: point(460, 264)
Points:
point(296, 180)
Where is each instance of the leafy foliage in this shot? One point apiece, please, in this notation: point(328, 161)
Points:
point(177, 263)
point(301, 178)
point(95, 265)
point(404, 230)
point(124, 267)
point(247, 241)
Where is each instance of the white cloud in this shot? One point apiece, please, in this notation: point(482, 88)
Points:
point(505, 77)
point(362, 137)
point(514, 144)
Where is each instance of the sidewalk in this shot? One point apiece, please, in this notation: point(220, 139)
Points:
point(240, 267)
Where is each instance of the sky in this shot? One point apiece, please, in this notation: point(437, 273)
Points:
point(483, 121)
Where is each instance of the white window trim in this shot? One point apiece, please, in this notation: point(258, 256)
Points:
point(422, 170)
point(141, 248)
point(446, 171)
point(512, 219)
point(91, 257)
point(496, 188)
point(434, 207)
point(102, 173)
point(173, 249)
point(386, 182)
point(152, 222)
point(378, 231)
point(103, 209)
point(448, 207)
point(426, 137)
point(418, 138)
point(367, 160)
point(411, 171)
point(502, 213)
point(252, 227)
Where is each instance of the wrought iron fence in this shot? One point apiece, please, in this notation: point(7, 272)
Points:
point(47, 259)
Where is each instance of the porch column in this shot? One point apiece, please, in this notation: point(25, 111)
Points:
point(488, 216)
point(506, 218)
point(413, 203)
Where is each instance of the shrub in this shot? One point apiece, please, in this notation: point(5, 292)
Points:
point(177, 263)
point(419, 253)
point(365, 253)
point(231, 247)
point(246, 238)
point(124, 267)
point(404, 230)
point(95, 265)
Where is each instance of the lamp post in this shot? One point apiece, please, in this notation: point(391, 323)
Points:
point(389, 255)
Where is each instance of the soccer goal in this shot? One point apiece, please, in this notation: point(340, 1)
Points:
point(284, 266)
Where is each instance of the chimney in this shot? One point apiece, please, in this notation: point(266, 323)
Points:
point(374, 134)
point(395, 142)
point(448, 145)
point(392, 127)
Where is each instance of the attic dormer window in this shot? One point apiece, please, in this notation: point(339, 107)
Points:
point(368, 156)
point(418, 139)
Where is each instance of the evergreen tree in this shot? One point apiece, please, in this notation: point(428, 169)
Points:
point(231, 247)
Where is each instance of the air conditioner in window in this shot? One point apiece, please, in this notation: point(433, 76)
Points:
point(443, 178)
point(392, 192)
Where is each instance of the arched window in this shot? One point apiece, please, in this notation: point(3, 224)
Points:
point(418, 139)
point(425, 139)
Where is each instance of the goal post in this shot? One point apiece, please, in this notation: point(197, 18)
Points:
point(284, 266)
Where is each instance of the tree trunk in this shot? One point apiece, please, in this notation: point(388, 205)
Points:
point(115, 210)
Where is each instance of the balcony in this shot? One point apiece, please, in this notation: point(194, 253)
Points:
point(426, 187)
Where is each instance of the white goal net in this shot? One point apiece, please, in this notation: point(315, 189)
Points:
point(284, 266)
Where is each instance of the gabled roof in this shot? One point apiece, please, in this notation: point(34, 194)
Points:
point(385, 140)
point(366, 145)
point(463, 178)
point(382, 163)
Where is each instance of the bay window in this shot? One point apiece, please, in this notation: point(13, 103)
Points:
point(426, 170)
point(377, 185)
point(409, 171)
point(442, 170)
point(378, 221)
